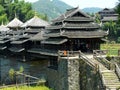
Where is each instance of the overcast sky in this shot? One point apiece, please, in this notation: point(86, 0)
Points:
point(89, 3)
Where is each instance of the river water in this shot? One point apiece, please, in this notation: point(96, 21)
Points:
point(35, 67)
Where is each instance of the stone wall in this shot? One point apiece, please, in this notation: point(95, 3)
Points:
point(67, 75)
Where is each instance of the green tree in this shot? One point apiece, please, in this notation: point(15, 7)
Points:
point(20, 8)
point(117, 9)
point(3, 16)
point(21, 69)
point(11, 73)
point(112, 27)
point(3, 19)
point(118, 40)
point(2, 10)
point(97, 18)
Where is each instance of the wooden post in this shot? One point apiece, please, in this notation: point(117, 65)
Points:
point(118, 52)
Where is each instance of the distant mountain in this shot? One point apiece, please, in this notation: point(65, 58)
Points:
point(53, 8)
point(92, 9)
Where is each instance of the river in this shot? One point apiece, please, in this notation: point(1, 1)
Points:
point(35, 67)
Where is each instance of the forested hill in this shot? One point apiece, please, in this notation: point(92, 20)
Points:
point(92, 9)
point(52, 8)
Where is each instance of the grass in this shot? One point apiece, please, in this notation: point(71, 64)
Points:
point(27, 88)
point(110, 46)
point(112, 49)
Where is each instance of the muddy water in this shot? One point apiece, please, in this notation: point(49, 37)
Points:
point(35, 68)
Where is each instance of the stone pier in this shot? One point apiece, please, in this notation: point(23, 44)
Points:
point(66, 77)
point(68, 70)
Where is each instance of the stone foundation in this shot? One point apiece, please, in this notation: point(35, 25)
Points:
point(67, 75)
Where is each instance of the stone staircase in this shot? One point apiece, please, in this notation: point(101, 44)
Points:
point(109, 78)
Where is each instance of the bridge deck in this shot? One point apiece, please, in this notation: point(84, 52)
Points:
point(109, 78)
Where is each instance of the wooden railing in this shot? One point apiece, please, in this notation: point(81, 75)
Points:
point(33, 81)
point(88, 60)
point(68, 53)
point(101, 57)
point(79, 55)
point(117, 70)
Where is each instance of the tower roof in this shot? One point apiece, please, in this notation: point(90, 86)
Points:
point(15, 23)
point(35, 22)
point(3, 28)
point(71, 12)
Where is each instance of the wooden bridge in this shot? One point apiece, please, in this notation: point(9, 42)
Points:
point(109, 72)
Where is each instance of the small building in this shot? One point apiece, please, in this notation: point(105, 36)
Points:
point(34, 26)
point(22, 41)
point(108, 15)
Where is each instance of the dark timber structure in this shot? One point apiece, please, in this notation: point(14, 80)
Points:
point(20, 36)
point(108, 15)
point(73, 30)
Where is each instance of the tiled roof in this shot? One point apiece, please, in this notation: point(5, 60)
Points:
point(37, 37)
point(35, 22)
point(110, 19)
point(74, 26)
point(15, 23)
point(69, 13)
point(16, 49)
point(3, 28)
point(54, 41)
point(78, 19)
point(79, 34)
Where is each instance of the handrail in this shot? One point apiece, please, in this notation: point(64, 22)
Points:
point(87, 60)
point(68, 53)
point(96, 54)
point(29, 76)
point(79, 54)
point(117, 70)
point(30, 83)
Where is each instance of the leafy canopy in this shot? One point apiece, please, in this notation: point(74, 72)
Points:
point(19, 8)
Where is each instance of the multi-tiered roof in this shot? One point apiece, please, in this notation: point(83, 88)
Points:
point(108, 15)
point(73, 30)
point(74, 24)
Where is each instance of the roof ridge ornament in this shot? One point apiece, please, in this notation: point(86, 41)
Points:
point(2, 23)
point(107, 31)
point(64, 16)
point(61, 32)
point(35, 14)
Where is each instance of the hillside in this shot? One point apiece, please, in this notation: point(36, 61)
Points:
point(91, 9)
point(53, 8)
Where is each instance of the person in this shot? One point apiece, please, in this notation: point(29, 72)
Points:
point(65, 53)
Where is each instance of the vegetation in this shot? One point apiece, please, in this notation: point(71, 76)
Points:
point(112, 48)
point(52, 8)
point(113, 30)
point(20, 8)
point(13, 73)
point(27, 88)
point(113, 27)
